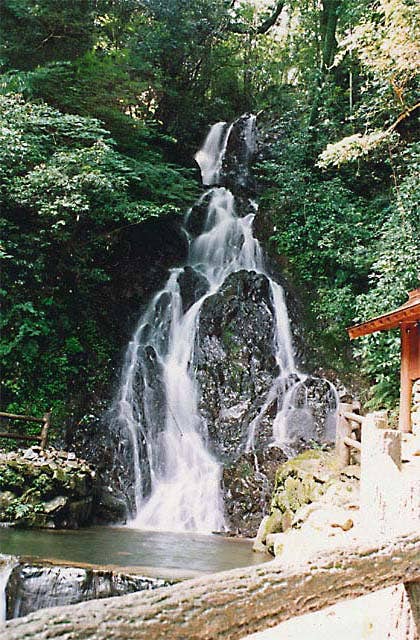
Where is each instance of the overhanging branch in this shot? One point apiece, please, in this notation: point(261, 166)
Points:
point(265, 26)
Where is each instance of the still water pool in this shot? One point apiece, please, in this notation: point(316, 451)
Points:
point(124, 547)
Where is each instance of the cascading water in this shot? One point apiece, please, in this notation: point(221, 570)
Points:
point(177, 478)
point(6, 567)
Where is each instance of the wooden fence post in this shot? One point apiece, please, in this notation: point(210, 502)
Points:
point(348, 422)
point(344, 430)
point(44, 431)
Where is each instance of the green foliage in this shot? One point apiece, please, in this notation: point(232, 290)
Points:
point(323, 231)
point(34, 32)
point(395, 271)
point(66, 192)
point(100, 103)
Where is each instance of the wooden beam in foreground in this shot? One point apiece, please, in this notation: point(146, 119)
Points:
point(231, 604)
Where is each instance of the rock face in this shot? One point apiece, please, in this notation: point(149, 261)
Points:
point(234, 362)
point(109, 453)
point(236, 172)
point(31, 588)
point(310, 492)
point(49, 488)
point(248, 483)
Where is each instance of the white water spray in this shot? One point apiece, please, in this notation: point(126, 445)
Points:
point(210, 157)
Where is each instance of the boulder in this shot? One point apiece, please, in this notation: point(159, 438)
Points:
point(33, 587)
point(236, 171)
point(193, 285)
point(312, 497)
point(247, 487)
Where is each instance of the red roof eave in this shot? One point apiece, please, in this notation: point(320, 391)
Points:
point(409, 312)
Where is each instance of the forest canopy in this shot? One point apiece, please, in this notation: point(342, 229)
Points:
point(102, 105)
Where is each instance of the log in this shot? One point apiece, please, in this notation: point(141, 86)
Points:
point(412, 591)
point(231, 604)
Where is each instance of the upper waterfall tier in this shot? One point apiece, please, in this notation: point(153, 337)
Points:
point(226, 156)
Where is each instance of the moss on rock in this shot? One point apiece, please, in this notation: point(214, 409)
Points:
point(41, 489)
point(309, 478)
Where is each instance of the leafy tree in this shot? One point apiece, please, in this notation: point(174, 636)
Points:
point(66, 193)
point(387, 44)
point(36, 32)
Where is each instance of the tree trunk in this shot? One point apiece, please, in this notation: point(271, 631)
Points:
point(328, 27)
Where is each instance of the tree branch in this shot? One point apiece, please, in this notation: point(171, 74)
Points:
point(402, 117)
point(265, 26)
point(271, 20)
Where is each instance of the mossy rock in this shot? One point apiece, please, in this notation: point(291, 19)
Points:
point(45, 491)
point(273, 523)
point(32, 496)
point(302, 480)
point(11, 479)
point(312, 463)
point(6, 499)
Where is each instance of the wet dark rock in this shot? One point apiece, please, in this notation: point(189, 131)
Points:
point(192, 285)
point(31, 588)
point(234, 361)
point(321, 398)
point(196, 218)
point(236, 171)
point(110, 451)
point(248, 484)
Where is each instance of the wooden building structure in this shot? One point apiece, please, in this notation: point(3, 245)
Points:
point(407, 318)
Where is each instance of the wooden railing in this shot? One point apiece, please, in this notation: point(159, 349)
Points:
point(233, 604)
point(348, 434)
point(349, 430)
point(42, 438)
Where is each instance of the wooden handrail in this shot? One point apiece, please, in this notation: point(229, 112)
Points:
point(43, 436)
point(350, 442)
point(348, 423)
point(14, 416)
point(232, 604)
point(354, 417)
point(18, 436)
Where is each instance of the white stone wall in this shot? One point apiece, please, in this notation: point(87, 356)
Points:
point(415, 408)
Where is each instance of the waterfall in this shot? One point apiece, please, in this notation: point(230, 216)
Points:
point(177, 478)
point(6, 568)
point(210, 157)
